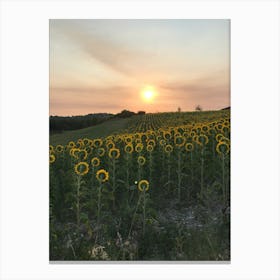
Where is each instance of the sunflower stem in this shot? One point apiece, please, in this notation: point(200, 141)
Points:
point(179, 175)
point(144, 212)
point(223, 177)
point(150, 167)
point(201, 173)
point(134, 215)
point(78, 200)
point(114, 183)
point(99, 203)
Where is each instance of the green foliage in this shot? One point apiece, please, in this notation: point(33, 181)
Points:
point(182, 215)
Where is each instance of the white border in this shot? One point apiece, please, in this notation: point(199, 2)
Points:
point(255, 138)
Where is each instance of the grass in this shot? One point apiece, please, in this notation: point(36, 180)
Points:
point(100, 130)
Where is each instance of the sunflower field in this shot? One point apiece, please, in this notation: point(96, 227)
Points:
point(157, 190)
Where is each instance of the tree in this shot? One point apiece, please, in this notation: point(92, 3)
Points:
point(179, 109)
point(198, 108)
point(141, 113)
point(125, 114)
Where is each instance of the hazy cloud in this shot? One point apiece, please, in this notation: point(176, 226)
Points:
point(118, 57)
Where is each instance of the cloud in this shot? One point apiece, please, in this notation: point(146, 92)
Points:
point(209, 92)
point(82, 100)
point(117, 56)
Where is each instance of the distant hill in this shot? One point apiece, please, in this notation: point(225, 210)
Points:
point(100, 130)
point(227, 108)
point(59, 124)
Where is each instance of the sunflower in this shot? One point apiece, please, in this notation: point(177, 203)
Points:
point(189, 147)
point(139, 148)
point(167, 135)
point(222, 148)
point(101, 152)
point(226, 124)
point(51, 149)
point(143, 185)
point(219, 136)
point(88, 149)
point(95, 161)
point(179, 141)
point(80, 143)
point(202, 139)
point(141, 160)
point(219, 127)
point(82, 154)
point(74, 152)
point(205, 128)
point(114, 153)
point(52, 158)
point(151, 142)
point(102, 175)
point(168, 149)
point(128, 139)
point(109, 138)
point(110, 145)
point(59, 148)
point(81, 168)
point(128, 148)
point(71, 145)
point(150, 148)
point(90, 143)
point(193, 133)
point(162, 142)
point(225, 139)
point(97, 143)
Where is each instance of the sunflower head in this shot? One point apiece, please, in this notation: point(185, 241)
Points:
point(128, 148)
point(97, 143)
point(162, 142)
point(222, 148)
point(51, 149)
point(141, 160)
point(168, 149)
point(179, 141)
point(86, 141)
point(205, 128)
point(95, 161)
point(88, 149)
point(114, 153)
point(128, 139)
point(59, 148)
point(218, 137)
point(74, 152)
point(139, 147)
point(71, 145)
point(189, 147)
point(150, 148)
point(80, 143)
point(143, 185)
point(52, 158)
point(81, 168)
point(81, 154)
point(167, 135)
point(202, 139)
point(101, 152)
point(102, 175)
point(110, 145)
point(151, 142)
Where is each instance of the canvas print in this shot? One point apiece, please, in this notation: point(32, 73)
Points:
point(139, 152)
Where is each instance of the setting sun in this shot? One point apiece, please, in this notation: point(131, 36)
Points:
point(148, 94)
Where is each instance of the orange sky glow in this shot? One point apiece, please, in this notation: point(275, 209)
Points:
point(108, 65)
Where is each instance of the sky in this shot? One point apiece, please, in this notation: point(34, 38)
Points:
point(99, 66)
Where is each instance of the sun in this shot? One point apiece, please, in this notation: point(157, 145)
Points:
point(148, 93)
